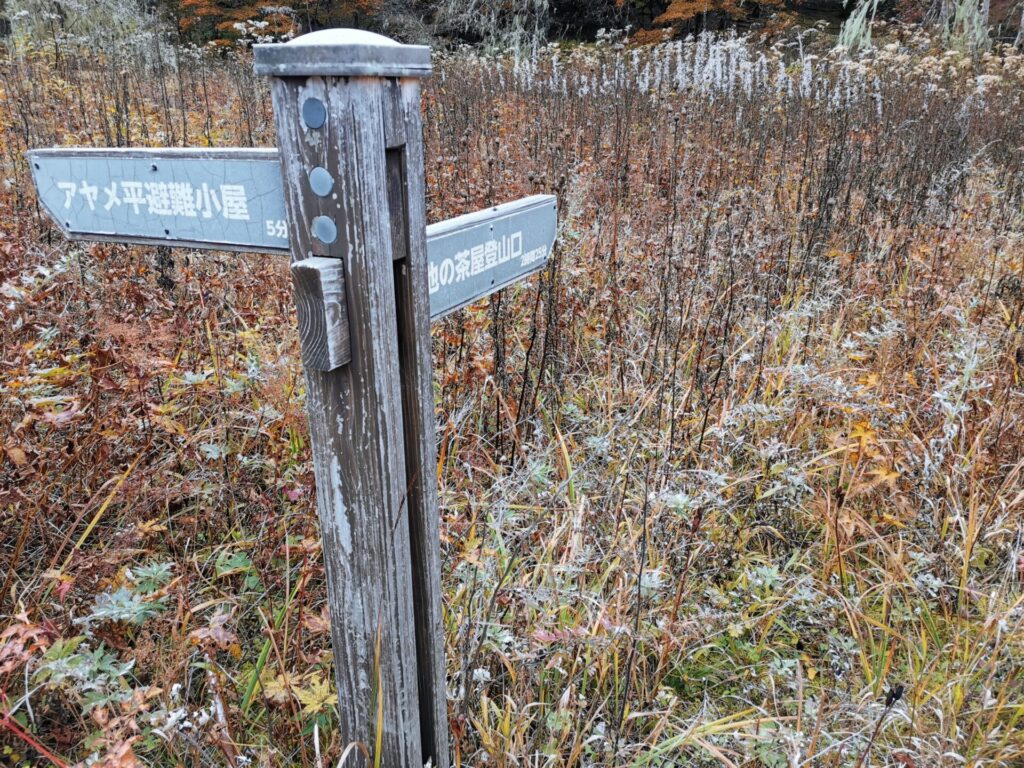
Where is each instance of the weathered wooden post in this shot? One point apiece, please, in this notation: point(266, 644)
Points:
point(347, 109)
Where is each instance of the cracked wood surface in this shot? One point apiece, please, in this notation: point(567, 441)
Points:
point(355, 413)
point(407, 204)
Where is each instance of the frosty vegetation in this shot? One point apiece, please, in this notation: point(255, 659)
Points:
point(737, 481)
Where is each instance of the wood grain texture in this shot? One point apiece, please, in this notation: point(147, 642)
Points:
point(319, 290)
point(344, 60)
point(406, 195)
point(355, 415)
point(394, 117)
point(396, 203)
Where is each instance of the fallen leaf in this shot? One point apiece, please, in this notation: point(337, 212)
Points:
point(317, 624)
point(317, 697)
point(870, 380)
point(884, 475)
point(277, 688)
point(216, 633)
point(863, 434)
point(17, 456)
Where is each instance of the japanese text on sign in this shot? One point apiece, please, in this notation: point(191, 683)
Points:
point(471, 262)
point(208, 198)
point(472, 256)
point(162, 198)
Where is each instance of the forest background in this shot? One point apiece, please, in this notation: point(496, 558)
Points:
point(493, 23)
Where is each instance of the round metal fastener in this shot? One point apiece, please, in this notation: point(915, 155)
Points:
point(321, 181)
point(314, 113)
point(325, 230)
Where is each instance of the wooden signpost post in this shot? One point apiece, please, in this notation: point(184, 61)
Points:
point(343, 195)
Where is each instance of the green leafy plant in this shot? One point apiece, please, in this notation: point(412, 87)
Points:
point(95, 676)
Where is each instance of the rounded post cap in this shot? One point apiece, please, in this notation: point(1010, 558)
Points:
point(342, 53)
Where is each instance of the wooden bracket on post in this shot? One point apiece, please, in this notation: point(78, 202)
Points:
point(319, 285)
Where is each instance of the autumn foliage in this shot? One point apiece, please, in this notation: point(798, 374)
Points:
point(737, 480)
point(688, 15)
point(228, 20)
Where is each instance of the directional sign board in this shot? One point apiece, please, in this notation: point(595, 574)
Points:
point(474, 255)
point(233, 199)
point(226, 199)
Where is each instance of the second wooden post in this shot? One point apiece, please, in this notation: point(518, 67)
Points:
point(346, 105)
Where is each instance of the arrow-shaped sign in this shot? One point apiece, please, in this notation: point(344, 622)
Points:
point(233, 199)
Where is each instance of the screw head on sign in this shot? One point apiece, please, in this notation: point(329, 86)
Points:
point(314, 113)
point(325, 230)
point(321, 181)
